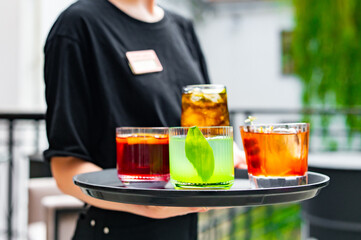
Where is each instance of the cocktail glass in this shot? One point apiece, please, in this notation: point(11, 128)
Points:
point(143, 156)
point(276, 154)
point(197, 163)
point(204, 105)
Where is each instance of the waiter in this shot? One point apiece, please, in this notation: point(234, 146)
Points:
point(109, 64)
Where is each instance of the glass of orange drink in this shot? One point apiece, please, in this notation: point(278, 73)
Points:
point(276, 154)
point(204, 105)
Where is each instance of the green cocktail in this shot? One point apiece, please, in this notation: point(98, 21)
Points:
point(201, 157)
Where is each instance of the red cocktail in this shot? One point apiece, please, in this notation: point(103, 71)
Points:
point(143, 156)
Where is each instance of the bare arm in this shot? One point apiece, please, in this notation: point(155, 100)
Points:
point(64, 168)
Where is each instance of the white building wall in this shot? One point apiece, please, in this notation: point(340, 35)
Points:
point(9, 51)
point(24, 26)
point(243, 50)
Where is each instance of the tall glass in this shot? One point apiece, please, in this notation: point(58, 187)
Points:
point(143, 156)
point(208, 164)
point(276, 154)
point(204, 105)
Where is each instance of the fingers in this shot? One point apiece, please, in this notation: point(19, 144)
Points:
point(203, 209)
point(241, 165)
point(239, 158)
point(166, 212)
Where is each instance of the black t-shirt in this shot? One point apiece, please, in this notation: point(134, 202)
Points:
point(90, 89)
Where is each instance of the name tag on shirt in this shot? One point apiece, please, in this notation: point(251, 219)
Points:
point(145, 61)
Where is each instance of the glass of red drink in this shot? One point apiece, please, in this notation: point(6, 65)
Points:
point(276, 154)
point(143, 156)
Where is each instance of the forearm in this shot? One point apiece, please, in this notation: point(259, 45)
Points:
point(64, 168)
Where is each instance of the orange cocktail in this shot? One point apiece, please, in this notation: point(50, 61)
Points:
point(204, 105)
point(276, 154)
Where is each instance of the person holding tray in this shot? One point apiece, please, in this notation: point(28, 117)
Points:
point(108, 64)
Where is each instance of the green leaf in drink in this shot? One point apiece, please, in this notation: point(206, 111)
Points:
point(199, 153)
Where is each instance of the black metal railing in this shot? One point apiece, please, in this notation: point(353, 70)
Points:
point(11, 119)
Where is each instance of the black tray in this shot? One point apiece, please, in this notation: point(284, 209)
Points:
point(106, 185)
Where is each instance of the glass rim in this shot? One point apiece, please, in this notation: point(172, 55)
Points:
point(276, 124)
point(204, 127)
point(204, 86)
point(138, 128)
point(188, 88)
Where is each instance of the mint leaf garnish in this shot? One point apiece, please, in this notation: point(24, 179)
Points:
point(199, 153)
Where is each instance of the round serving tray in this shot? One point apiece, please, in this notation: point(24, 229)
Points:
point(106, 185)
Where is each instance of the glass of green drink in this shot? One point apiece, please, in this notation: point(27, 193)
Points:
point(201, 157)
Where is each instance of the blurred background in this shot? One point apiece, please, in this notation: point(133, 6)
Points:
point(281, 60)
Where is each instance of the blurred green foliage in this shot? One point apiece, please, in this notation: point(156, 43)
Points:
point(326, 50)
point(276, 222)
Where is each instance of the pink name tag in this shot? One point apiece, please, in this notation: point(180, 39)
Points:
point(145, 61)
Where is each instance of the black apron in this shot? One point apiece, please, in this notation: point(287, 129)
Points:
point(97, 224)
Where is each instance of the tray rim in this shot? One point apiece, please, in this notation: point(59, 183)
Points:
point(201, 192)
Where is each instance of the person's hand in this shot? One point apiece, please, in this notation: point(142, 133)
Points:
point(239, 157)
point(164, 212)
